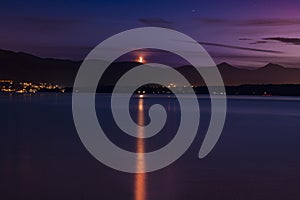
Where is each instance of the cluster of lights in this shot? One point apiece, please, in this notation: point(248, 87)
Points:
point(141, 92)
point(7, 81)
point(172, 85)
point(26, 87)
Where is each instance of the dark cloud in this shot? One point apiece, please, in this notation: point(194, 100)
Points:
point(46, 24)
point(238, 47)
point(251, 22)
point(214, 21)
point(258, 42)
point(245, 39)
point(295, 41)
point(156, 22)
point(270, 22)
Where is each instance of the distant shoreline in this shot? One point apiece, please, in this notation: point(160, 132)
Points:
point(241, 90)
point(255, 90)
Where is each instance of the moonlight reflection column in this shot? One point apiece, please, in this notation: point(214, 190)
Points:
point(140, 178)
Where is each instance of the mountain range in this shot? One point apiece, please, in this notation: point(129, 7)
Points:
point(21, 66)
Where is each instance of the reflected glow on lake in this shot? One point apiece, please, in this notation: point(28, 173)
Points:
point(140, 178)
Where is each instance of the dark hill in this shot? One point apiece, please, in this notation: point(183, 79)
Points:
point(26, 67)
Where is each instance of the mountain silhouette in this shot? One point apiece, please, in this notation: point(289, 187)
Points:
point(268, 74)
point(26, 67)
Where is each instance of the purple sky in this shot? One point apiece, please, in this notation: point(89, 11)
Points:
point(242, 33)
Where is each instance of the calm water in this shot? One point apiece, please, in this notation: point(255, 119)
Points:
point(257, 156)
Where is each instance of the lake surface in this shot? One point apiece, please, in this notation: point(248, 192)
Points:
point(257, 156)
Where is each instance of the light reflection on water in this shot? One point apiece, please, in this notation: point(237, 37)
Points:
point(257, 157)
point(140, 178)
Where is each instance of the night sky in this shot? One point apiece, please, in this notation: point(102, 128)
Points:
point(242, 33)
